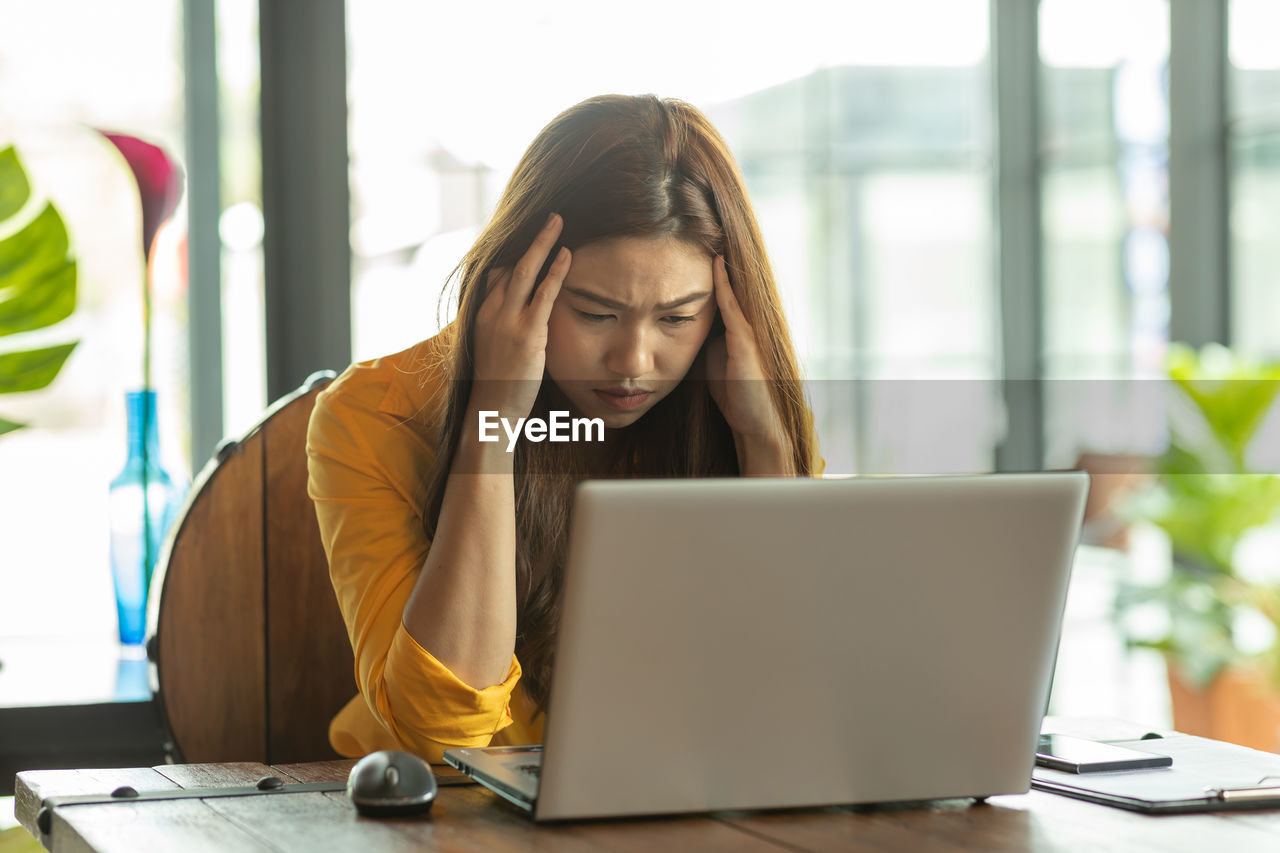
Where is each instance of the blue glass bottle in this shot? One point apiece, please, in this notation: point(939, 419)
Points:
point(145, 499)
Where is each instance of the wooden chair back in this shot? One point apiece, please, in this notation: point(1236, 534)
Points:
point(251, 657)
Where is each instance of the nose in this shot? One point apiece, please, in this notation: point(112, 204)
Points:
point(630, 352)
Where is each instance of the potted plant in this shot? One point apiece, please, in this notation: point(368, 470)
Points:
point(1218, 618)
point(37, 283)
point(38, 291)
point(145, 495)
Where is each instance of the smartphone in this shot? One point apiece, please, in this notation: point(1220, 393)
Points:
point(1077, 755)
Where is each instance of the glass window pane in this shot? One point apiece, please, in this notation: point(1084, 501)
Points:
point(240, 227)
point(1253, 135)
point(1254, 60)
point(1255, 241)
point(1085, 301)
point(845, 133)
point(929, 251)
point(68, 67)
point(1105, 215)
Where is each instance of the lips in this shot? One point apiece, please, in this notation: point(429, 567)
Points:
point(622, 399)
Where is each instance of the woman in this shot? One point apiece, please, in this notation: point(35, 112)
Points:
point(622, 278)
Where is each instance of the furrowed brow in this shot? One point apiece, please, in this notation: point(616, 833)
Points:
point(685, 300)
point(595, 297)
point(619, 306)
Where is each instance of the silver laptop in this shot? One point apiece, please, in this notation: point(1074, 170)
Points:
point(744, 644)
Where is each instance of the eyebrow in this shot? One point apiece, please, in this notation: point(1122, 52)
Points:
point(619, 306)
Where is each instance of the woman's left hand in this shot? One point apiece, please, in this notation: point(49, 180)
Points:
point(738, 384)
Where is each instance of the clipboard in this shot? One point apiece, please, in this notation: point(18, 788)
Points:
point(1206, 775)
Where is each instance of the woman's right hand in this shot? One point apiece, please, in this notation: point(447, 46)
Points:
point(463, 604)
point(511, 328)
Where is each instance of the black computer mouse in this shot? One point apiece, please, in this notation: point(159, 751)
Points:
point(390, 783)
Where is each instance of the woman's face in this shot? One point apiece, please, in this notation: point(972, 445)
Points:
point(630, 319)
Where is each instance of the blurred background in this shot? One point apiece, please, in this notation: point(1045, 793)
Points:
point(989, 219)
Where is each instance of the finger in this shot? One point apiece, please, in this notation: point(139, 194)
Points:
point(496, 280)
point(495, 287)
point(545, 297)
point(734, 320)
point(740, 339)
point(525, 274)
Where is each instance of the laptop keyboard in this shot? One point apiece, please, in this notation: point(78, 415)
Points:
point(534, 770)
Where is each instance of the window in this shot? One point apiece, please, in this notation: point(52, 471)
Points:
point(864, 142)
point(118, 67)
point(1253, 135)
point(1105, 174)
point(864, 131)
point(240, 224)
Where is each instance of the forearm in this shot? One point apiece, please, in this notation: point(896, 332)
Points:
point(463, 605)
point(765, 457)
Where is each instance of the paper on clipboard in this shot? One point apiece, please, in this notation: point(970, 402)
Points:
point(1202, 769)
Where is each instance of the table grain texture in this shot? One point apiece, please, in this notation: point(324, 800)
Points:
point(470, 818)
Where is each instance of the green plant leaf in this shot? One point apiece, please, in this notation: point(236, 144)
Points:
point(32, 370)
point(1232, 394)
point(1206, 499)
point(37, 284)
point(1205, 515)
point(39, 302)
point(1179, 460)
point(40, 244)
point(15, 189)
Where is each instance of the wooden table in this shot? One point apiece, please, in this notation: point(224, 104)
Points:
point(473, 819)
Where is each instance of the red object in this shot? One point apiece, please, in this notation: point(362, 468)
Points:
point(159, 179)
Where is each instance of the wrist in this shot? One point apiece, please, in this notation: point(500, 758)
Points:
point(484, 447)
point(497, 404)
point(764, 456)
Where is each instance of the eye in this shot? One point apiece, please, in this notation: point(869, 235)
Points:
point(592, 318)
point(679, 319)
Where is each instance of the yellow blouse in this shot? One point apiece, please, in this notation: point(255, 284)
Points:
point(370, 446)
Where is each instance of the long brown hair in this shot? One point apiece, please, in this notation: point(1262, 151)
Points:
point(617, 166)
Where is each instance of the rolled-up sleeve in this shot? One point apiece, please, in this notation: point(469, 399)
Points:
point(365, 468)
